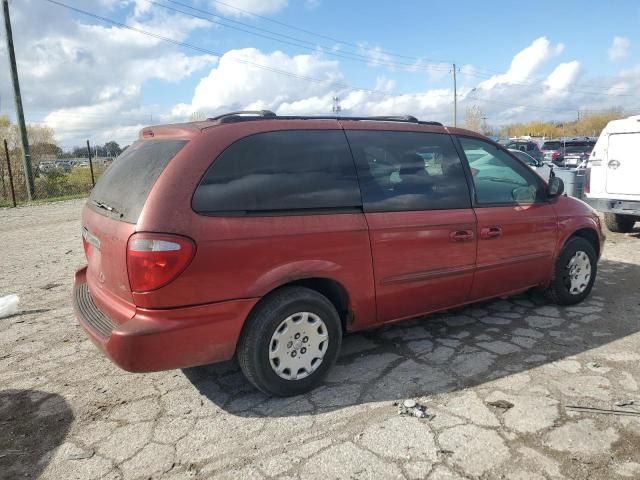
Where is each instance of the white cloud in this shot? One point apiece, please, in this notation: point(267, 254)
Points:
point(240, 8)
point(562, 77)
point(236, 84)
point(619, 48)
point(525, 63)
point(84, 79)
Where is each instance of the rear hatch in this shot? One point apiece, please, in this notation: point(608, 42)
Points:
point(111, 214)
point(623, 164)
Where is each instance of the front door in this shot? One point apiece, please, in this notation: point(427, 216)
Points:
point(421, 224)
point(517, 229)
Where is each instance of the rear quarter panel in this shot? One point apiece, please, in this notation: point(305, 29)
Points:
point(246, 257)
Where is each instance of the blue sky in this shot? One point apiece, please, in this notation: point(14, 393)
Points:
point(86, 78)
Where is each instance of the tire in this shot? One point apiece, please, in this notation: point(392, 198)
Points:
point(619, 223)
point(560, 289)
point(288, 306)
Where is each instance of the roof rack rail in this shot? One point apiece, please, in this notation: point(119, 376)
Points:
point(246, 115)
point(396, 118)
point(242, 115)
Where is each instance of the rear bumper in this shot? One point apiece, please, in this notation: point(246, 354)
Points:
point(154, 340)
point(621, 207)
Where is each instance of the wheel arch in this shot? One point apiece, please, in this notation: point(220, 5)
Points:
point(330, 288)
point(588, 234)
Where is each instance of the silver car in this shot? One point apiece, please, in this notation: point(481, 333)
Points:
point(541, 168)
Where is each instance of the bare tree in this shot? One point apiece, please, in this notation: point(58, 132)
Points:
point(473, 118)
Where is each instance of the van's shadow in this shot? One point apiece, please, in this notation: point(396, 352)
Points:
point(447, 352)
point(32, 425)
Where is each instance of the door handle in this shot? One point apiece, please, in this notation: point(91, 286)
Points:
point(490, 232)
point(461, 235)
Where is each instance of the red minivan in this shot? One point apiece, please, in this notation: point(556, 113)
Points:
point(268, 237)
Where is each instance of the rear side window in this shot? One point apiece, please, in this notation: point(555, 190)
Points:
point(408, 171)
point(123, 188)
point(281, 172)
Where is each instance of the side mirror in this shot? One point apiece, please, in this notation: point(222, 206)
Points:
point(555, 187)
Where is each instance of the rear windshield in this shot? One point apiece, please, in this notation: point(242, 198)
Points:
point(579, 146)
point(551, 145)
point(123, 188)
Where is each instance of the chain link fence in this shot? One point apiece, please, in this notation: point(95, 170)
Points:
point(57, 175)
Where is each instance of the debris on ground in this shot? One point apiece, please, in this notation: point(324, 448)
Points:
point(603, 411)
point(81, 455)
point(412, 408)
point(9, 305)
point(503, 404)
point(626, 403)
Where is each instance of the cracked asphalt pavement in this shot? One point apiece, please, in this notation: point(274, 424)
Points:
point(514, 389)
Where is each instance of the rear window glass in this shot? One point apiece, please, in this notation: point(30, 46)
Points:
point(292, 172)
point(551, 145)
point(123, 188)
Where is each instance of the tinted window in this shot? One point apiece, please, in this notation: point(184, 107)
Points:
point(497, 177)
point(125, 185)
point(277, 171)
point(408, 171)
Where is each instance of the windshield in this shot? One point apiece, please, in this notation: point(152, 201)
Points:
point(578, 146)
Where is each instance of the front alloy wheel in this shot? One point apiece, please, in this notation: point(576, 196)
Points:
point(578, 273)
point(575, 271)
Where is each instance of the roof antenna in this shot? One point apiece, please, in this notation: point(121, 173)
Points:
point(336, 108)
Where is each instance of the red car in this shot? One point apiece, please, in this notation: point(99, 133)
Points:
point(268, 237)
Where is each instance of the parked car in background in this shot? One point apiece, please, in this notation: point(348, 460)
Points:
point(576, 152)
point(540, 167)
point(552, 151)
point(267, 237)
point(528, 146)
point(46, 166)
point(613, 174)
point(64, 165)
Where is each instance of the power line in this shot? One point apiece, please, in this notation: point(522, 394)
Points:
point(297, 42)
point(316, 34)
point(354, 56)
point(238, 60)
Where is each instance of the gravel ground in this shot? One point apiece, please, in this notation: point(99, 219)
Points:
point(497, 381)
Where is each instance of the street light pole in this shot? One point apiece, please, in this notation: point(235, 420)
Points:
point(26, 157)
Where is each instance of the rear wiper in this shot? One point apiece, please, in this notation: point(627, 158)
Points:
point(105, 206)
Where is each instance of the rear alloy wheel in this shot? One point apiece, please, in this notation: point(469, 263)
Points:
point(290, 341)
point(619, 223)
point(575, 272)
point(298, 346)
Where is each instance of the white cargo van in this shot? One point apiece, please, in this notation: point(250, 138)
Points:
point(612, 185)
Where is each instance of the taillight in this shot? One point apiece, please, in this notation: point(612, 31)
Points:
point(555, 155)
point(87, 247)
point(154, 260)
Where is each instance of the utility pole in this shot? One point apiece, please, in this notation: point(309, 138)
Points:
point(455, 98)
point(26, 157)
